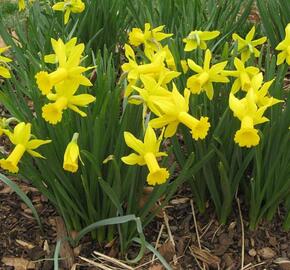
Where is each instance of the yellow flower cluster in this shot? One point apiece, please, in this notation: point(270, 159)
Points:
point(61, 85)
point(150, 83)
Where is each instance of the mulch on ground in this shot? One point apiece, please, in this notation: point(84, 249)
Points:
point(207, 245)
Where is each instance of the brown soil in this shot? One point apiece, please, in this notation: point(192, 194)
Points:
point(215, 246)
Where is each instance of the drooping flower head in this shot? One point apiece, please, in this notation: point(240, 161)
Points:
point(247, 46)
point(21, 5)
point(197, 39)
point(205, 76)
point(284, 47)
point(68, 7)
point(4, 71)
point(21, 138)
point(174, 110)
point(147, 154)
point(72, 155)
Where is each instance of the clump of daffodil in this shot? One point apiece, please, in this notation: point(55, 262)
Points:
point(247, 46)
point(68, 7)
point(21, 138)
point(4, 71)
point(243, 74)
point(72, 155)
point(156, 69)
point(259, 92)
point(69, 69)
point(174, 110)
point(284, 47)
point(52, 58)
point(150, 38)
point(196, 39)
point(65, 98)
point(147, 154)
point(206, 75)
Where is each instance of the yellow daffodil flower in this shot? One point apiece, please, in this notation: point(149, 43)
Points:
point(206, 75)
point(68, 6)
point(196, 39)
point(72, 155)
point(21, 138)
point(174, 110)
point(259, 92)
point(156, 69)
point(147, 154)
point(150, 91)
point(52, 58)
point(127, 67)
point(247, 46)
point(284, 47)
point(243, 74)
point(68, 70)
point(150, 38)
point(4, 71)
point(65, 98)
point(250, 115)
point(21, 5)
